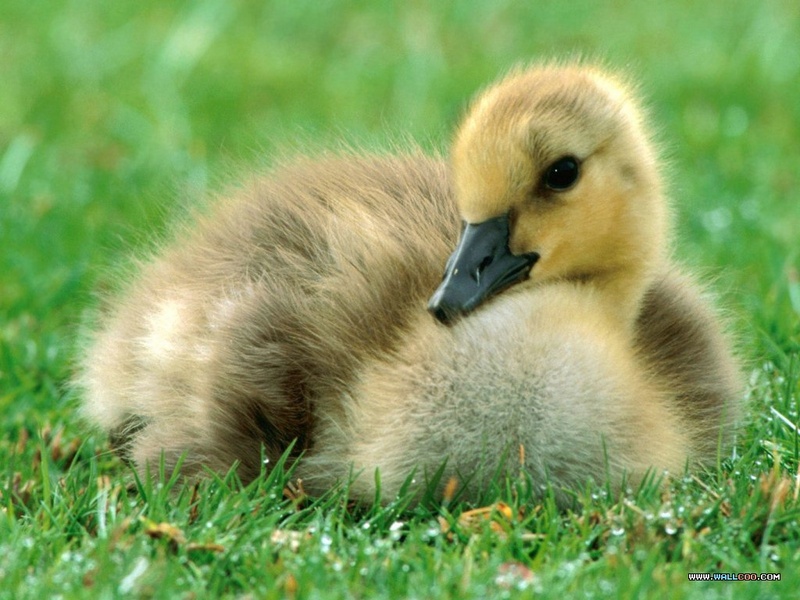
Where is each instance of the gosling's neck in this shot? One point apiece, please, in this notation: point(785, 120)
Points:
point(631, 264)
point(621, 291)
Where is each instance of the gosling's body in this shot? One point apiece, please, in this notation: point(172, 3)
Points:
point(295, 312)
point(252, 326)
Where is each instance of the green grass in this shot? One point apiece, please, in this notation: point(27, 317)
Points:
point(112, 113)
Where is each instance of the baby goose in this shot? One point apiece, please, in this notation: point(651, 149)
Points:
point(295, 313)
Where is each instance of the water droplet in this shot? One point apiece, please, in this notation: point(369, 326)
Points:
point(750, 210)
point(717, 219)
point(670, 528)
point(325, 542)
point(396, 530)
point(396, 525)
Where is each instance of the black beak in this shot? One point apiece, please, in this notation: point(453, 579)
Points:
point(481, 266)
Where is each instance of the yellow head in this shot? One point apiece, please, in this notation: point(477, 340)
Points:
point(557, 161)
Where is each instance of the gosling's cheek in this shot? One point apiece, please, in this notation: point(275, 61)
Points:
point(517, 247)
point(524, 239)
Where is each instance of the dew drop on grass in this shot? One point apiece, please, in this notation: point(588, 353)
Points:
point(396, 530)
point(670, 528)
point(600, 494)
point(69, 556)
point(366, 525)
point(666, 513)
point(750, 209)
point(568, 569)
point(606, 587)
point(617, 529)
point(325, 542)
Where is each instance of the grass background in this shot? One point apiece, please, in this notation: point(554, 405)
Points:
point(110, 112)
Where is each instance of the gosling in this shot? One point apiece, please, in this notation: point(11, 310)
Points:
point(308, 311)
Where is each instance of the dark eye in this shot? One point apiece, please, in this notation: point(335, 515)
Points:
point(562, 174)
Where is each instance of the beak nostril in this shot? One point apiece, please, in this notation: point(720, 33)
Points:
point(487, 260)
